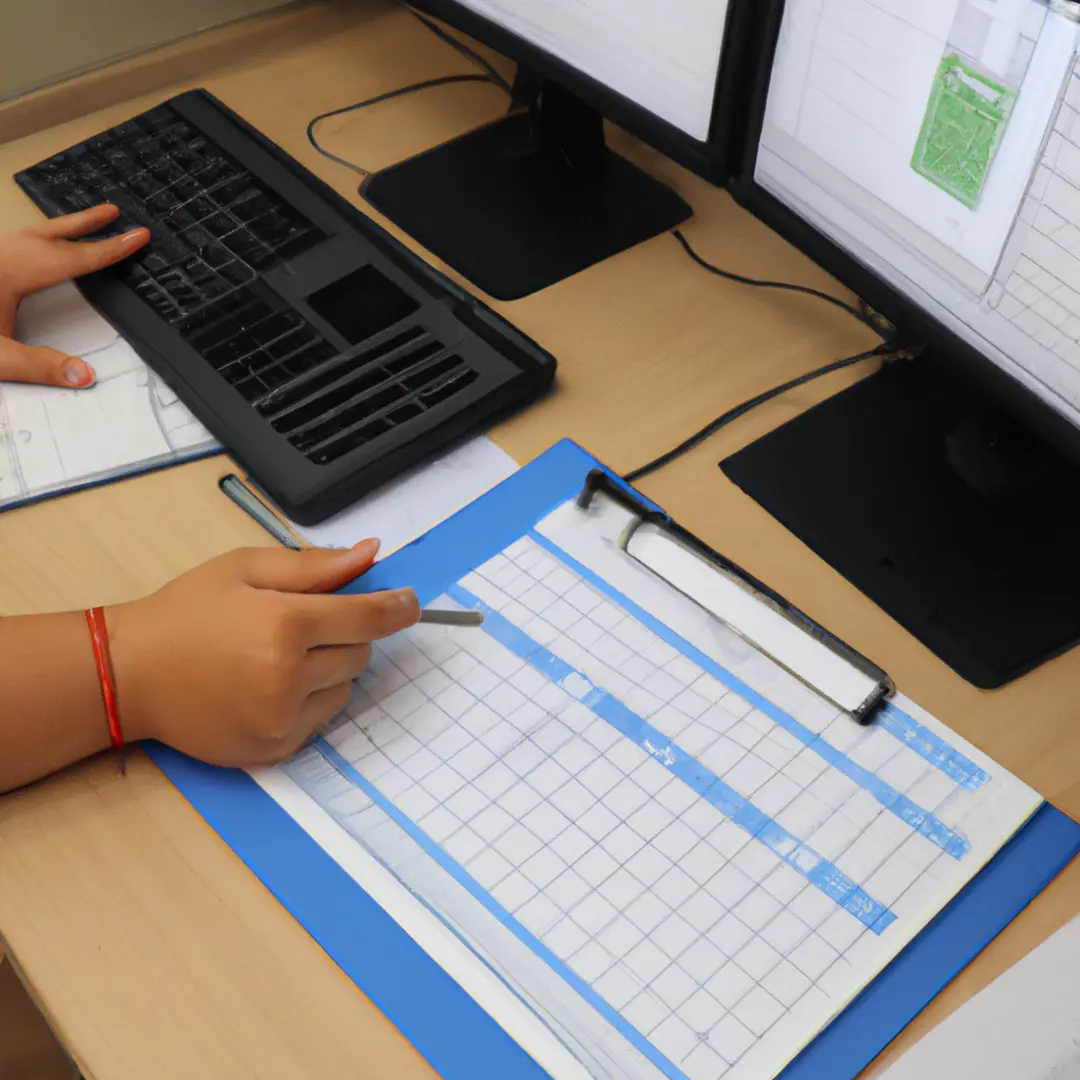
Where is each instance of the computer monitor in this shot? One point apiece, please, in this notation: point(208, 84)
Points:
point(537, 196)
point(927, 152)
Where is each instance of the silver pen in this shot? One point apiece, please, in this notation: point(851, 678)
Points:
point(451, 618)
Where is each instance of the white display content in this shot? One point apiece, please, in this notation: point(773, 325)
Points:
point(661, 56)
point(938, 141)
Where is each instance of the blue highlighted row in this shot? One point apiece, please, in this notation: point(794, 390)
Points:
point(817, 870)
point(480, 894)
point(922, 821)
point(931, 746)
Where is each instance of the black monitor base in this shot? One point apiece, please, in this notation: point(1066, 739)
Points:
point(961, 525)
point(520, 204)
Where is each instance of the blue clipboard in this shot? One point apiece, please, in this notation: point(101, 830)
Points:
point(456, 1036)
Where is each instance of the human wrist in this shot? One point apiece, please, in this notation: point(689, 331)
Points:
point(128, 647)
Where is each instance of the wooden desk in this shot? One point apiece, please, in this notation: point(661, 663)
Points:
point(150, 948)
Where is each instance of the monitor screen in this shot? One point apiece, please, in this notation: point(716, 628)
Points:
point(660, 54)
point(938, 142)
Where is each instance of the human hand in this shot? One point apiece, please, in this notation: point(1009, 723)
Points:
point(47, 254)
point(239, 661)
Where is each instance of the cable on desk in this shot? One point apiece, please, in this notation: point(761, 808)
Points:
point(862, 313)
point(741, 410)
point(470, 54)
point(401, 91)
point(491, 75)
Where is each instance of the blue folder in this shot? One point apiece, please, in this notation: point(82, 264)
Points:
point(456, 1036)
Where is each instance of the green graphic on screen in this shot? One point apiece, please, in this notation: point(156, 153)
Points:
point(965, 120)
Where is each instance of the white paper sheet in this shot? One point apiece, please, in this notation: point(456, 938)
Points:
point(679, 858)
point(1023, 1026)
point(54, 440)
point(407, 507)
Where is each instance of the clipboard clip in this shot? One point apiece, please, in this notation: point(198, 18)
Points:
point(746, 606)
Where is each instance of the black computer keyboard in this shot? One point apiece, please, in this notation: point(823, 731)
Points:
point(320, 351)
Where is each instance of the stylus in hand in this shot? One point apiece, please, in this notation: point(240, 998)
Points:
point(239, 493)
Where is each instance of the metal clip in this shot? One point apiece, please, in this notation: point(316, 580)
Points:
point(1069, 8)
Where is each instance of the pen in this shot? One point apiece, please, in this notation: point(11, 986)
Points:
point(255, 509)
point(451, 618)
point(239, 493)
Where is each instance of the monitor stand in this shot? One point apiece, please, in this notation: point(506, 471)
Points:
point(955, 519)
point(526, 201)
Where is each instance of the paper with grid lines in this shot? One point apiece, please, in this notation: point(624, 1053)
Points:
point(646, 850)
point(53, 441)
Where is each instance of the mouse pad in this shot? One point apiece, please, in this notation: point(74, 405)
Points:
point(988, 579)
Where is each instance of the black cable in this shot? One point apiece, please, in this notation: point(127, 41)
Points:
point(741, 410)
point(785, 285)
point(444, 80)
point(491, 75)
point(460, 46)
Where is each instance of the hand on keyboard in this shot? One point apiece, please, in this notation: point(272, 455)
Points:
point(45, 255)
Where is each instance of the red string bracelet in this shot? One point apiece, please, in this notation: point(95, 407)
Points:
point(99, 638)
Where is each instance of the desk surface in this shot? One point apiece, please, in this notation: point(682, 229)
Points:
point(150, 948)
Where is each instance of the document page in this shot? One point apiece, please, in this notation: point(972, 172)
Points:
point(642, 846)
point(54, 441)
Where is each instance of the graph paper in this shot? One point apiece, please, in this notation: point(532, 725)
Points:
point(681, 860)
point(54, 440)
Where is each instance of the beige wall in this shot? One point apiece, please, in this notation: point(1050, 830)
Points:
point(43, 41)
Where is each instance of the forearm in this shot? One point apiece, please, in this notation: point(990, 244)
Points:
point(51, 712)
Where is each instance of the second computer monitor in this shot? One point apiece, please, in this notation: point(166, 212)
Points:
point(938, 144)
point(927, 152)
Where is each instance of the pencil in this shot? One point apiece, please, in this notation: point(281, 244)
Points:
point(451, 618)
point(257, 510)
point(239, 493)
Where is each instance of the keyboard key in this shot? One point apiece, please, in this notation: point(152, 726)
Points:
point(291, 343)
point(277, 326)
point(164, 201)
point(215, 255)
point(144, 185)
point(127, 132)
point(253, 207)
point(180, 219)
point(159, 300)
point(236, 273)
point(158, 118)
point(232, 191)
point(220, 225)
point(185, 188)
point(167, 171)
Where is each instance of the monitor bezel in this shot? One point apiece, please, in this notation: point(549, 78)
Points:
point(713, 159)
point(914, 324)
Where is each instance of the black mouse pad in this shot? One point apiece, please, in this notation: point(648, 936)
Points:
point(986, 577)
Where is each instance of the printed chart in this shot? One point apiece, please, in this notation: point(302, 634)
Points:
point(683, 878)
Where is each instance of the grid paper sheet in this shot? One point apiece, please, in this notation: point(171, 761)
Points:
point(680, 876)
